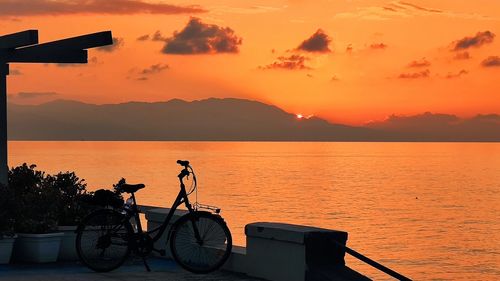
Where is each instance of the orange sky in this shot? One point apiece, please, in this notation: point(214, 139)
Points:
point(371, 43)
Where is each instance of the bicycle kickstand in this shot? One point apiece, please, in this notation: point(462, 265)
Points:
point(146, 264)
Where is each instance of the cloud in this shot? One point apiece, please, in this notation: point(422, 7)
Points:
point(201, 38)
point(491, 61)
point(318, 43)
point(157, 36)
point(403, 9)
point(69, 7)
point(378, 46)
point(144, 37)
point(456, 75)
point(419, 63)
point(293, 62)
point(430, 10)
point(32, 95)
point(462, 56)
point(155, 68)
point(117, 44)
point(334, 78)
point(415, 75)
point(480, 39)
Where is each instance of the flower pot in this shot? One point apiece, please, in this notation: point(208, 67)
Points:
point(6, 245)
point(67, 252)
point(37, 248)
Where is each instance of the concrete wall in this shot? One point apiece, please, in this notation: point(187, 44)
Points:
point(280, 252)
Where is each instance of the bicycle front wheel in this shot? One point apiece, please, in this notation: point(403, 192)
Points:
point(200, 242)
point(102, 240)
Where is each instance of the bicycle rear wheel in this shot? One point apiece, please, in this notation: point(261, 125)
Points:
point(102, 240)
point(202, 255)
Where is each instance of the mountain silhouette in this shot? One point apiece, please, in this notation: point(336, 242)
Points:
point(227, 119)
point(209, 119)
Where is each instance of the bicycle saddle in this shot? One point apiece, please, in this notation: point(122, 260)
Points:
point(129, 188)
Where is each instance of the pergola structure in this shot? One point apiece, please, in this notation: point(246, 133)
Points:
point(23, 47)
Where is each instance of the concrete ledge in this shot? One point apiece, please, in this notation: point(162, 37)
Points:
point(285, 252)
point(279, 251)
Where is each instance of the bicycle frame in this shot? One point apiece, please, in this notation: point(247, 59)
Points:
point(182, 197)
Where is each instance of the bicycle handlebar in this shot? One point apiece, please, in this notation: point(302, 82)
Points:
point(184, 163)
point(186, 171)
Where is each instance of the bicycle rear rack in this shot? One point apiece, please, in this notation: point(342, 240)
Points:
point(213, 209)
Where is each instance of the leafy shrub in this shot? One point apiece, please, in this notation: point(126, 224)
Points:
point(71, 191)
point(36, 205)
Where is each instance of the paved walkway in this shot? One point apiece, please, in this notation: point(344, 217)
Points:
point(161, 269)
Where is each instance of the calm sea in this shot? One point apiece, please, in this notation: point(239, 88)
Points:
point(428, 210)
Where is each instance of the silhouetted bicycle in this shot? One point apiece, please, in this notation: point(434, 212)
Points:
point(200, 241)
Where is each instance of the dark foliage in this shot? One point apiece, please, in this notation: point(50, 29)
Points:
point(36, 206)
point(71, 191)
point(7, 207)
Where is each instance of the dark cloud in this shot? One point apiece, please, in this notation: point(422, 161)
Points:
point(492, 61)
point(201, 38)
point(456, 75)
point(420, 7)
point(462, 56)
point(419, 63)
point(32, 95)
point(390, 9)
point(144, 37)
point(117, 44)
point(157, 36)
point(415, 75)
point(318, 42)
point(334, 78)
point(68, 7)
point(378, 46)
point(293, 62)
point(478, 40)
point(155, 68)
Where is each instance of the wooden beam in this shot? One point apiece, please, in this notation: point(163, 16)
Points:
point(19, 39)
point(76, 43)
point(49, 56)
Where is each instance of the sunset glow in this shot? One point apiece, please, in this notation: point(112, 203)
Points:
point(345, 61)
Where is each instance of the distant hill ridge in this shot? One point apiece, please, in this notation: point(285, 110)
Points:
point(227, 119)
point(208, 119)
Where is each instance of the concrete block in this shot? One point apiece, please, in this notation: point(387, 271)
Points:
point(285, 252)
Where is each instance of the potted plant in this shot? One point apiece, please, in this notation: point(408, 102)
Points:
point(7, 235)
point(36, 215)
point(71, 210)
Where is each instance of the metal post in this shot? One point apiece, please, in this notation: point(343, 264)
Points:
point(4, 71)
